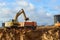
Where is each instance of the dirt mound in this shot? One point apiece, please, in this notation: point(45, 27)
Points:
point(41, 33)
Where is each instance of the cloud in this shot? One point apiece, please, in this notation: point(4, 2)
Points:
point(48, 14)
point(4, 11)
point(57, 7)
point(37, 0)
point(7, 12)
point(31, 6)
point(22, 3)
point(2, 4)
point(54, 1)
point(25, 5)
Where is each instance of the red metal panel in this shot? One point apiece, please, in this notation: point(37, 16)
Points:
point(30, 24)
point(27, 23)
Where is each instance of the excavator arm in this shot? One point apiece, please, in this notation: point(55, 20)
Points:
point(19, 13)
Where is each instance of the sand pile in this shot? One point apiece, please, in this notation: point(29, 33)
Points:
point(38, 34)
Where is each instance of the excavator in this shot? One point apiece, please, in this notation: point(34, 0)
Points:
point(15, 24)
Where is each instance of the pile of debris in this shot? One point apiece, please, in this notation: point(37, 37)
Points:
point(38, 34)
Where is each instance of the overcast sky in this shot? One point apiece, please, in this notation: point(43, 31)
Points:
point(41, 11)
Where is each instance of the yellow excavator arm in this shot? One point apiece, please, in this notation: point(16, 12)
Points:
point(19, 13)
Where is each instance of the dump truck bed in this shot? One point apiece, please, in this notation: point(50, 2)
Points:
point(22, 24)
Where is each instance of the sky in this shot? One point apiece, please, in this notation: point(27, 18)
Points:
point(40, 11)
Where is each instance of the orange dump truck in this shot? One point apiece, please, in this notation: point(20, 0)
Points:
point(28, 24)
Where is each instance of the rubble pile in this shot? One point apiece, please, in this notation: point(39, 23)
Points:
point(44, 34)
point(38, 34)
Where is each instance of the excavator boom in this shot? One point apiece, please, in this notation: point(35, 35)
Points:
point(19, 13)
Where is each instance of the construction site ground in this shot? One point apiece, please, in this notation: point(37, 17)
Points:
point(41, 33)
